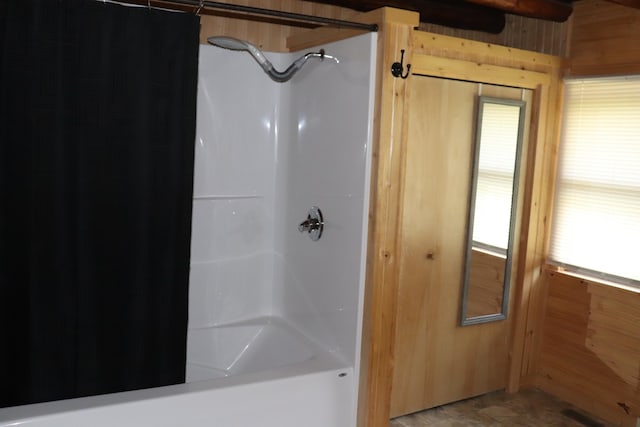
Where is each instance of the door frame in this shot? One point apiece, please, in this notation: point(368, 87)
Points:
point(454, 58)
point(458, 59)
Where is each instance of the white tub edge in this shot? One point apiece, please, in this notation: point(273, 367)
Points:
point(316, 393)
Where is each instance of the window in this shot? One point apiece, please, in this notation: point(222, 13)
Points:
point(596, 219)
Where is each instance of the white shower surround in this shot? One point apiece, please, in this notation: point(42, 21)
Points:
point(274, 312)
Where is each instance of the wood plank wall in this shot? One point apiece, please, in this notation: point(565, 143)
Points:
point(520, 32)
point(390, 125)
point(605, 39)
point(591, 347)
point(590, 353)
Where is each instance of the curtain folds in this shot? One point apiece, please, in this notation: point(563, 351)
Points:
point(97, 131)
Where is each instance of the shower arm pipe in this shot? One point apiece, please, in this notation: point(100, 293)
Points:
point(231, 43)
point(283, 76)
point(339, 23)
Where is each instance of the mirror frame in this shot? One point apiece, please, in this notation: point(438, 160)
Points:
point(521, 104)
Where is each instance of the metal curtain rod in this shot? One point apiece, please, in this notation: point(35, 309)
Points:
point(277, 13)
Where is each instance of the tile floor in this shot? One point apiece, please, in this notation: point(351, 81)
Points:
point(527, 408)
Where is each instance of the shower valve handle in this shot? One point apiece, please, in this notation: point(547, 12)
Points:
point(314, 224)
point(309, 224)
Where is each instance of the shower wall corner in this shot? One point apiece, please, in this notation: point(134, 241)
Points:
point(267, 152)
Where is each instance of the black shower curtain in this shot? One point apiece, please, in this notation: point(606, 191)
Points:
point(97, 130)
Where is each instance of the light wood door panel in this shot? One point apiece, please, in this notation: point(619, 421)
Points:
point(436, 361)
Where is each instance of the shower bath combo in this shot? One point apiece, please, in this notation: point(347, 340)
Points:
point(274, 318)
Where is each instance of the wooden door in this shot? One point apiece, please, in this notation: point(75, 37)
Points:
point(436, 360)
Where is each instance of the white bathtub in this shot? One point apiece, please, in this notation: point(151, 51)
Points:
point(250, 387)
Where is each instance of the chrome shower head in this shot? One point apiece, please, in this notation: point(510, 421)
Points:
point(228, 43)
point(235, 44)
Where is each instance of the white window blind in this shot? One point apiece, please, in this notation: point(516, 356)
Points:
point(496, 164)
point(596, 219)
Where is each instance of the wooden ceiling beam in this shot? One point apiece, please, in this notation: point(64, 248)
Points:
point(629, 3)
point(461, 14)
point(551, 10)
point(452, 13)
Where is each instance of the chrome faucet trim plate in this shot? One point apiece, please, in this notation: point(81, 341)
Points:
point(314, 224)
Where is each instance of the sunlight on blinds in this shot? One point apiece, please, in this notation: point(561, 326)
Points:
point(499, 135)
point(596, 219)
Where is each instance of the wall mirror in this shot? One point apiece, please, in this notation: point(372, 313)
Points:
point(492, 209)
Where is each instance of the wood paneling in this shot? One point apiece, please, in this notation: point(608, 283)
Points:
point(530, 287)
point(390, 126)
point(605, 39)
point(591, 347)
point(482, 56)
point(520, 32)
point(470, 71)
